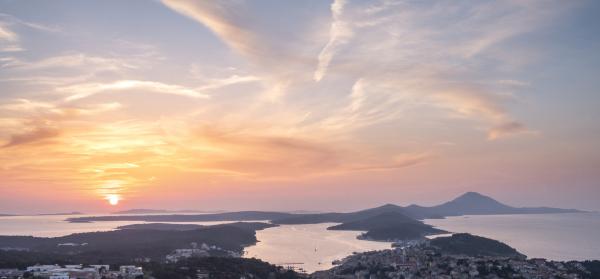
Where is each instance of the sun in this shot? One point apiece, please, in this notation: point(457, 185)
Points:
point(113, 199)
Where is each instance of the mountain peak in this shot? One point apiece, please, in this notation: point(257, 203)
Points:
point(473, 196)
point(472, 203)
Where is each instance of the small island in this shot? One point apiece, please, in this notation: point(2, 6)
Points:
point(389, 226)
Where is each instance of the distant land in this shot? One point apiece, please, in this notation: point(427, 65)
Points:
point(470, 203)
point(304, 211)
point(162, 227)
point(161, 211)
point(64, 213)
point(252, 226)
point(165, 211)
point(385, 223)
point(44, 214)
point(226, 216)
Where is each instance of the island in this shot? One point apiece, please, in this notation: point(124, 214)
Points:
point(389, 226)
point(128, 244)
point(160, 211)
point(388, 222)
point(474, 246)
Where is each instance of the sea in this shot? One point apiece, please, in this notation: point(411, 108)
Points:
point(569, 236)
point(562, 237)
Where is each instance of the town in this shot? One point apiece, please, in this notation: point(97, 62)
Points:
point(102, 271)
point(74, 271)
point(408, 259)
point(202, 250)
point(423, 260)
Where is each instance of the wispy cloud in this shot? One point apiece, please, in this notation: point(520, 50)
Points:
point(429, 55)
point(478, 104)
point(53, 111)
point(279, 62)
point(508, 129)
point(39, 133)
point(7, 35)
point(9, 40)
point(33, 25)
point(75, 60)
point(355, 86)
point(228, 22)
point(85, 90)
point(231, 80)
point(339, 34)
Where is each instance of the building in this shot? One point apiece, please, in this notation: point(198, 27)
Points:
point(60, 275)
point(179, 254)
point(42, 268)
point(10, 273)
point(131, 271)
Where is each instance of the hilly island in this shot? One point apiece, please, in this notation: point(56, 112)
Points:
point(385, 223)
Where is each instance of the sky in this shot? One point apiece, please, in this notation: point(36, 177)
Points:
point(289, 105)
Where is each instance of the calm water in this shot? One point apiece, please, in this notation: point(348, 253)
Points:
point(570, 236)
point(55, 225)
point(312, 247)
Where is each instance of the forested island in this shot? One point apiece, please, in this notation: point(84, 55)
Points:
point(125, 245)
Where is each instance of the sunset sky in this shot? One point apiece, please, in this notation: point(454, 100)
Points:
point(286, 105)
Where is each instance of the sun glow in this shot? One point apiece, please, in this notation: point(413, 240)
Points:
point(113, 199)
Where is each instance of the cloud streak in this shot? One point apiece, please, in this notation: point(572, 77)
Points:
point(224, 19)
point(7, 35)
point(86, 90)
point(76, 60)
point(509, 128)
point(9, 40)
point(340, 33)
point(38, 134)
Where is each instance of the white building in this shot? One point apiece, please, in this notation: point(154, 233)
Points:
point(131, 271)
point(42, 268)
point(67, 272)
point(186, 253)
point(59, 275)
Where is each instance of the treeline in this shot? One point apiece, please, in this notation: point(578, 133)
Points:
point(475, 246)
point(127, 245)
point(23, 259)
point(218, 267)
point(593, 267)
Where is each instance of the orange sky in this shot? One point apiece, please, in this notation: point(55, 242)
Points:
point(329, 106)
